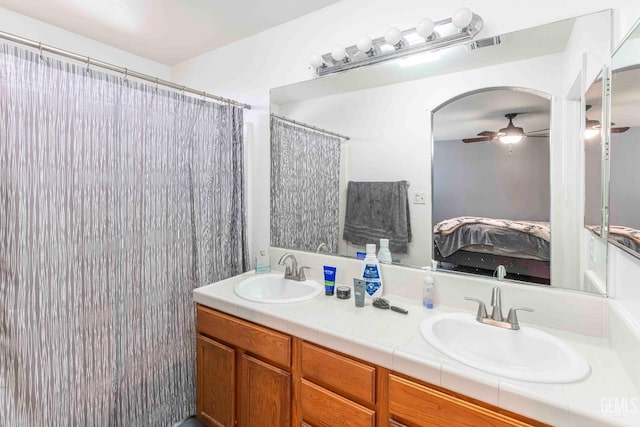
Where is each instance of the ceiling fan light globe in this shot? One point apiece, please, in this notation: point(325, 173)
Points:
point(591, 133)
point(511, 139)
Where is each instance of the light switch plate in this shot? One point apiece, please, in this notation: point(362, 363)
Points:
point(419, 198)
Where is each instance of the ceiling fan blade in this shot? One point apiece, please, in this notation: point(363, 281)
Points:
point(620, 129)
point(489, 134)
point(537, 130)
point(481, 139)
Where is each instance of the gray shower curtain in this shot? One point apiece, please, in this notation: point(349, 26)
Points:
point(117, 199)
point(305, 186)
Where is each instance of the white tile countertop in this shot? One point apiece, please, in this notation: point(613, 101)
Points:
point(392, 340)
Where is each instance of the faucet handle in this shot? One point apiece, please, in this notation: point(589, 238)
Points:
point(482, 309)
point(512, 318)
point(301, 275)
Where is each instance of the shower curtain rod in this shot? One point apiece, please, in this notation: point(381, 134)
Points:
point(89, 61)
point(305, 125)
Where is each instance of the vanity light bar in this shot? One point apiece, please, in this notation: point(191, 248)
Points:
point(462, 27)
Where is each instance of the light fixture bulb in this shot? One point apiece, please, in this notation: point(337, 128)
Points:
point(316, 61)
point(462, 18)
point(425, 28)
point(393, 36)
point(591, 133)
point(364, 44)
point(338, 53)
point(510, 139)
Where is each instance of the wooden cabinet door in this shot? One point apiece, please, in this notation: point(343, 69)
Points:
point(215, 403)
point(265, 394)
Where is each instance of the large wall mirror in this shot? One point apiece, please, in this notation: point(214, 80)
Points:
point(369, 132)
point(624, 146)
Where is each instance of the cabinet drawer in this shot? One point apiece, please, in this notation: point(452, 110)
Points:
point(339, 373)
point(258, 340)
point(323, 408)
point(417, 405)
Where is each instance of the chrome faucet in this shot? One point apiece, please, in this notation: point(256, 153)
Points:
point(496, 304)
point(496, 319)
point(322, 247)
point(293, 272)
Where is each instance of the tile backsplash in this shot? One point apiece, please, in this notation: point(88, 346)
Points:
point(556, 308)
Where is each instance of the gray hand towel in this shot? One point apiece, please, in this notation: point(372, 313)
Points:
point(378, 210)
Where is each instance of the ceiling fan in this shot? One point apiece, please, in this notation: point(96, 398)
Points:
point(592, 127)
point(509, 135)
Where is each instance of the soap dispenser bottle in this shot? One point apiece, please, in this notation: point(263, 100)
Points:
point(427, 289)
point(371, 273)
point(384, 255)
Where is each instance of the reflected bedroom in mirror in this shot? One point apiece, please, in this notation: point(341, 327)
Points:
point(426, 153)
point(492, 216)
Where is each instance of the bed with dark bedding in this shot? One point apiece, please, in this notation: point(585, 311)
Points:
point(626, 237)
point(475, 243)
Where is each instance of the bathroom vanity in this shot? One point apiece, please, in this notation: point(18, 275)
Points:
point(249, 374)
point(324, 362)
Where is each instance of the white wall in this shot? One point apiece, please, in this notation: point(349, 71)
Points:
point(491, 179)
point(623, 279)
point(23, 26)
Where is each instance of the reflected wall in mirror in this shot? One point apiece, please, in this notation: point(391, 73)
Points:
point(491, 189)
point(595, 184)
point(593, 158)
point(624, 146)
point(385, 110)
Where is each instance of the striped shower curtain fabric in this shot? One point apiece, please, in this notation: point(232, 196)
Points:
point(117, 199)
point(305, 181)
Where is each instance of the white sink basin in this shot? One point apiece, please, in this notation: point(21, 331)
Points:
point(275, 289)
point(527, 354)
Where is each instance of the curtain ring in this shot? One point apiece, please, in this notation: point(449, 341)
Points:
point(88, 64)
point(40, 49)
point(157, 83)
point(204, 96)
point(126, 74)
point(182, 91)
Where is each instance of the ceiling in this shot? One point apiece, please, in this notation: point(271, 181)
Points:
point(468, 116)
point(166, 31)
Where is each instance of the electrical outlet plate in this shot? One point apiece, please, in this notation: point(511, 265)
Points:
point(419, 198)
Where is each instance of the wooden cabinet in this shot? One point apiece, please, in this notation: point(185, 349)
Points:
point(252, 376)
point(334, 389)
point(342, 374)
point(323, 408)
point(265, 394)
point(413, 404)
point(216, 382)
point(243, 372)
